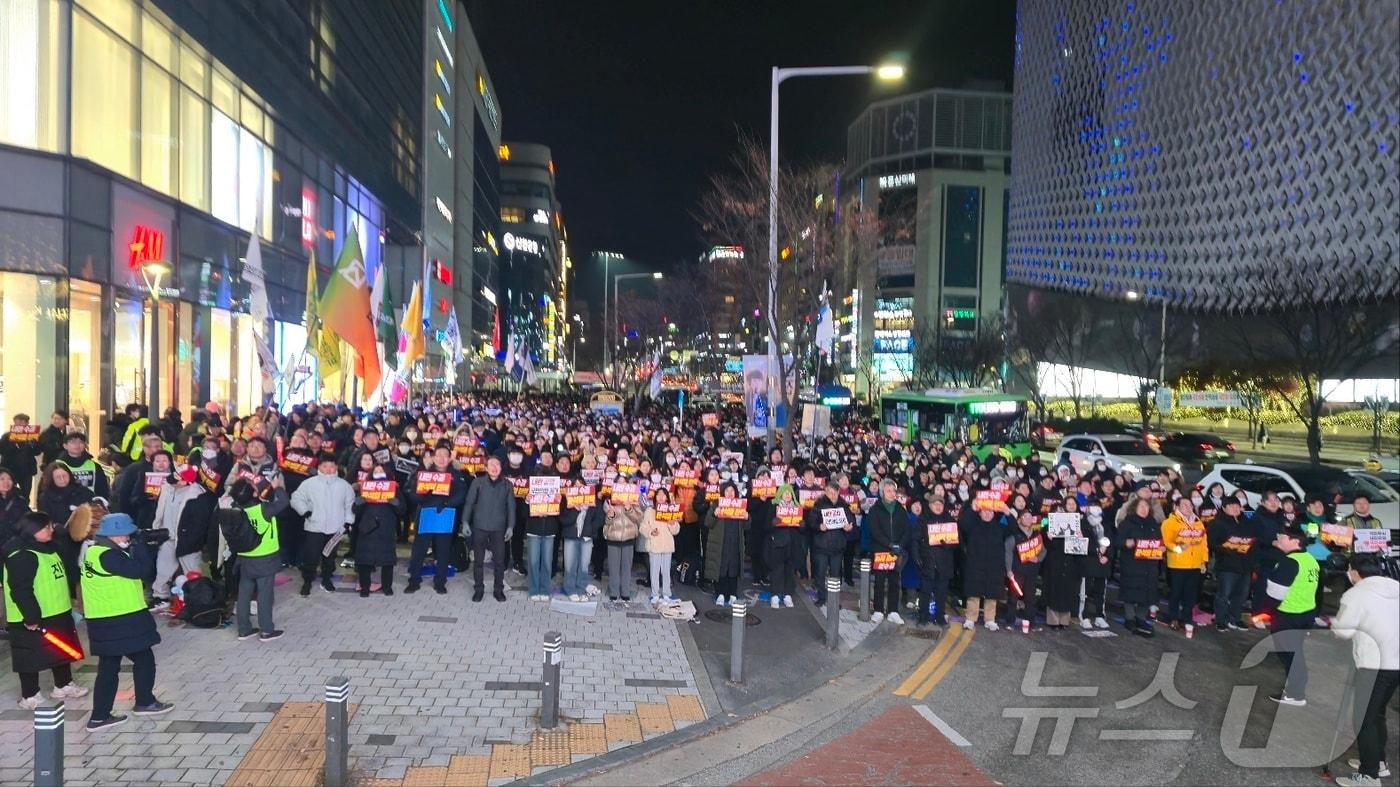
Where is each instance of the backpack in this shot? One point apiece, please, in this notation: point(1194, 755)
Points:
point(204, 604)
point(238, 531)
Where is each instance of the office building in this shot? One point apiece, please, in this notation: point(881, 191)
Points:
point(1206, 155)
point(935, 169)
point(534, 253)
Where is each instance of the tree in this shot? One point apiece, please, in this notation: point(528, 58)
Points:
point(1314, 344)
point(1137, 347)
point(811, 234)
point(1060, 331)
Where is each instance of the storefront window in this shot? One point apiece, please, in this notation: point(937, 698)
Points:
point(29, 317)
point(165, 368)
point(29, 73)
point(120, 15)
point(187, 360)
point(221, 344)
point(157, 128)
point(223, 182)
point(248, 388)
point(85, 351)
point(104, 97)
point(298, 384)
point(194, 149)
point(129, 352)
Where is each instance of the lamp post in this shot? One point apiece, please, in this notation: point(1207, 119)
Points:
point(152, 271)
point(578, 337)
point(1133, 295)
point(886, 73)
point(612, 326)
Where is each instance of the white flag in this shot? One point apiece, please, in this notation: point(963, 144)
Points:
point(267, 364)
point(257, 282)
point(452, 338)
point(510, 354)
point(826, 329)
point(655, 389)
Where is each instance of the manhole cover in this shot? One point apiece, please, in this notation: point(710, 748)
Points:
point(725, 616)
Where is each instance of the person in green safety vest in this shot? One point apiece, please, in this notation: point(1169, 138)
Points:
point(1291, 590)
point(37, 602)
point(83, 467)
point(119, 625)
point(130, 446)
point(258, 564)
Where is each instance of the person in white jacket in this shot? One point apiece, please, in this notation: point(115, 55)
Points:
point(170, 505)
point(327, 501)
point(1370, 618)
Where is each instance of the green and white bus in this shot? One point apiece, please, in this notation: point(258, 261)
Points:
point(989, 421)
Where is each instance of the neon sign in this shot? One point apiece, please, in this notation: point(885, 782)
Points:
point(147, 245)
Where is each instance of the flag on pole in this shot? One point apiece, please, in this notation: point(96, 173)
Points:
point(308, 311)
point(383, 304)
point(257, 281)
point(267, 364)
point(826, 329)
point(528, 365)
point(345, 309)
point(452, 338)
point(321, 341)
point(511, 359)
point(412, 327)
point(655, 388)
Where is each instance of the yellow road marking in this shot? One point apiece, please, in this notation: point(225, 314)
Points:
point(927, 665)
point(947, 665)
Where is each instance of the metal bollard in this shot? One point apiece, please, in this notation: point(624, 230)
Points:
point(48, 745)
point(833, 612)
point(736, 642)
point(549, 692)
point(338, 732)
point(864, 612)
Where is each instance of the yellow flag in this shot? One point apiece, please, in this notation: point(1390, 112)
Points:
point(412, 327)
point(327, 350)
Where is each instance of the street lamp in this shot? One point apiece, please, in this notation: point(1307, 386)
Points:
point(1133, 295)
point(152, 271)
point(578, 337)
point(890, 72)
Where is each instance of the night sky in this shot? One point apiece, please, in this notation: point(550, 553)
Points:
point(641, 100)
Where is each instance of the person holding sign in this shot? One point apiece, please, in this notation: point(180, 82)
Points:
point(181, 504)
point(828, 521)
point(18, 449)
point(1027, 554)
point(986, 561)
point(439, 491)
point(622, 522)
point(888, 524)
point(1065, 551)
point(327, 502)
point(933, 551)
point(543, 503)
point(1141, 552)
point(377, 508)
point(660, 524)
point(1232, 539)
point(781, 545)
point(1184, 536)
point(724, 552)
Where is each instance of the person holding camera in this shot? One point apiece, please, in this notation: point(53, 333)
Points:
point(257, 547)
point(119, 625)
point(37, 603)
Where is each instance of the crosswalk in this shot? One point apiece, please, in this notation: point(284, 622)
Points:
point(937, 664)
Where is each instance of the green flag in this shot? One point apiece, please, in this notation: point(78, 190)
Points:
point(385, 329)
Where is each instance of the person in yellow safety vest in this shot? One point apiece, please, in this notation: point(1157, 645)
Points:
point(36, 603)
point(258, 564)
point(1292, 592)
point(130, 446)
point(119, 625)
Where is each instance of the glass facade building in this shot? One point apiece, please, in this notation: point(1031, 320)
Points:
point(1204, 155)
point(131, 133)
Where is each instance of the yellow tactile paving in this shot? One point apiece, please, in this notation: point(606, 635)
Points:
point(685, 707)
point(588, 738)
point(550, 748)
point(510, 760)
point(465, 770)
point(425, 776)
point(655, 718)
point(622, 728)
point(290, 751)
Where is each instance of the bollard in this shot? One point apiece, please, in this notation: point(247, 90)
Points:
point(338, 732)
point(833, 612)
point(736, 642)
point(864, 612)
point(549, 692)
point(48, 745)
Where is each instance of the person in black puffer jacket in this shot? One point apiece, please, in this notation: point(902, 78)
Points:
point(1233, 540)
point(59, 495)
point(828, 545)
point(935, 561)
point(986, 562)
point(888, 524)
point(377, 527)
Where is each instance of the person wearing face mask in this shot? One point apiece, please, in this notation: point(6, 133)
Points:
point(517, 472)
point(119, 626)
point(440, 502)
point(376, 527)
point(37, 601)
point(327, 502)
point(183, 511)
point(935, 542)
point(1184, 535)
point(888, 523)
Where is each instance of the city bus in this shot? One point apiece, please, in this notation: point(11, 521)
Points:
point(989, 421)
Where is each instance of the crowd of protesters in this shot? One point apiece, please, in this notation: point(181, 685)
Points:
point(546, 487)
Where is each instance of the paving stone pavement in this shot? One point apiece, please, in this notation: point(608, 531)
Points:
point(416, 677)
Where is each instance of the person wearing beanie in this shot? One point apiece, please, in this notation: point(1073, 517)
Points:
point(119, 625)
point(37, 602)
point(258, 564)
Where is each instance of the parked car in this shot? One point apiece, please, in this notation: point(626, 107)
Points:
point(1151, 435)
point(1199, 448)
point(1043, 435)
point(1338, 488)
point(1123, 453)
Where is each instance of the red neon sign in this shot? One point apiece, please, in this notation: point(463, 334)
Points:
point(147, 245)
point(308, 216)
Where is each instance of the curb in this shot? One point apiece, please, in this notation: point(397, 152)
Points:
point(604, 762)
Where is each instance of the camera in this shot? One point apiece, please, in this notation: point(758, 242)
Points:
point(153, 537)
